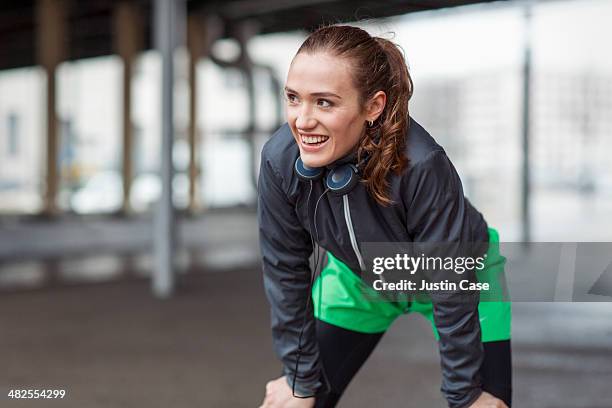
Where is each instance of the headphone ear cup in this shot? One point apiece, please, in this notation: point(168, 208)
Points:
point(306, 173)
point(342, 179)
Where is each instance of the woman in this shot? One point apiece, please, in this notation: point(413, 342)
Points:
point(350, 166)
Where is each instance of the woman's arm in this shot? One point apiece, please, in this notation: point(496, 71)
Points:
point(438, 212)
point(285, 247)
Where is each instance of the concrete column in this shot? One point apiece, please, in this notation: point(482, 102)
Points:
point(128, 42)
point(196, 41)
point(51, 50)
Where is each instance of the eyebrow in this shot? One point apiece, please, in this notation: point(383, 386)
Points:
point(315, 93)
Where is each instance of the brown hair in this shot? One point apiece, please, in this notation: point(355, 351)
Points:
point(377, 65)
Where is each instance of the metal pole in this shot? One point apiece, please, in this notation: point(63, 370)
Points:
point(165, 31)
point(245, 32)
point(526, 128)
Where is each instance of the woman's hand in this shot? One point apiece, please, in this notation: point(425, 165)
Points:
point(486, 400)
point(279, 395)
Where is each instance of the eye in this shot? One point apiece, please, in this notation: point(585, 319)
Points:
point(291, 98)
point(324, 103)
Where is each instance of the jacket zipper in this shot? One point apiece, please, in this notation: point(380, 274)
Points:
point(349, 225)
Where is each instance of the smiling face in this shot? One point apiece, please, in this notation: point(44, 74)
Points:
point(323, 108)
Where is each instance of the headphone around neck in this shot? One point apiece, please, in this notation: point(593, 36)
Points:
point(340, 179)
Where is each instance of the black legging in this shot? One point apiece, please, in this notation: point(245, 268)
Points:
point(343, 352)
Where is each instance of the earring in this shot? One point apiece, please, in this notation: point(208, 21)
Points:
point(371, 123)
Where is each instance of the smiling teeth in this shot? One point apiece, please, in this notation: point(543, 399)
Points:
point(314, 139)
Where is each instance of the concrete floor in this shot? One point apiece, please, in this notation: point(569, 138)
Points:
point(113, 345)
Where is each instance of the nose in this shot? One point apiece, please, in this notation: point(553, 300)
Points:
point(305, 120)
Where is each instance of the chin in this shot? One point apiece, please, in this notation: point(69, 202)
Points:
point(314, 160)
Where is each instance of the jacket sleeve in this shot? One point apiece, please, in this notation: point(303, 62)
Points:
point(285, 247)
point(439, 213)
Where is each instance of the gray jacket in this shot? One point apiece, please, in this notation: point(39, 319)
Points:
point(429, 207)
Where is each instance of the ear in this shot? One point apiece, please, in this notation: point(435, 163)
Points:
point(376, 105)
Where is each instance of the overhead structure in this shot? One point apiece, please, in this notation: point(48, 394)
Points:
point(90, 23)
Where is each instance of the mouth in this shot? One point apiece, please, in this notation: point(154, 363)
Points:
point(313, 140)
